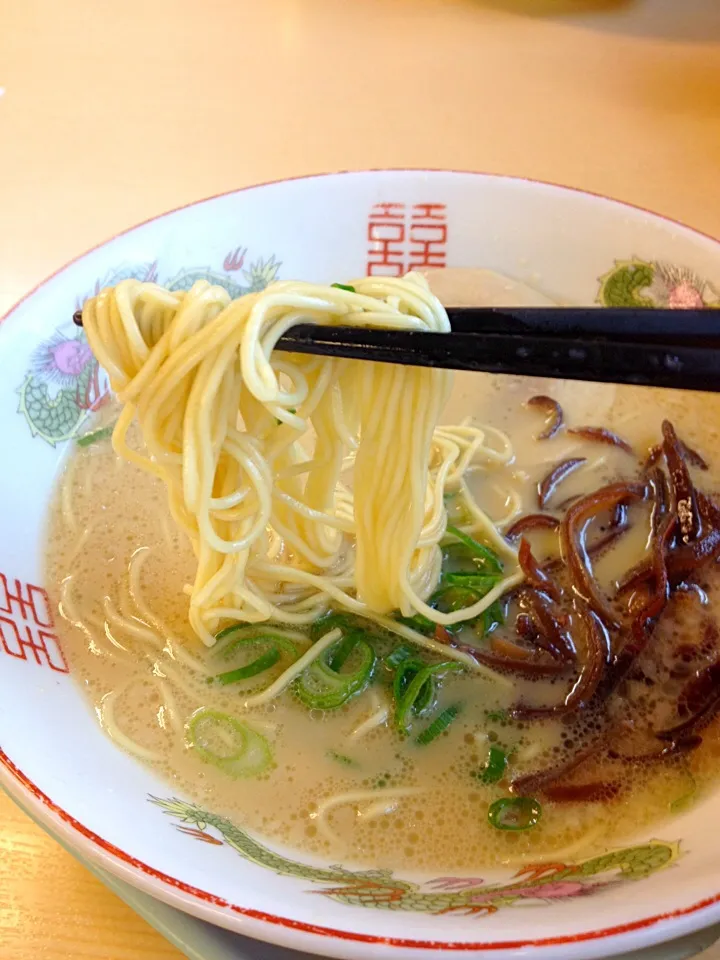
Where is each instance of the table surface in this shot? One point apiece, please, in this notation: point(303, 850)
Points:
point(111, 113)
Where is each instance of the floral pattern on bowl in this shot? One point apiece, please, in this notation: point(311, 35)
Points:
point(64, 385)
point(539, 882)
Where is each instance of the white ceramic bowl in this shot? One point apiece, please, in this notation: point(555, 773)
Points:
point(54, 758)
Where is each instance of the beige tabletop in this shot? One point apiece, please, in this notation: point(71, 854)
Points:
point(113, 112)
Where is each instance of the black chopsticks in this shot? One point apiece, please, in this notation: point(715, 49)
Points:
point(662, 348)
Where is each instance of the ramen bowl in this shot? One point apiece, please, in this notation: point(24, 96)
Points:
point(573, 247)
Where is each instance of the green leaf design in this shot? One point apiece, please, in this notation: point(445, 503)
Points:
point(622, 286)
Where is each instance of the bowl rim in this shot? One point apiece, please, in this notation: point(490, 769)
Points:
point(285, 931)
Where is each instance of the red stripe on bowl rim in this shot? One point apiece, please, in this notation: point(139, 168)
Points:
point(116, 859)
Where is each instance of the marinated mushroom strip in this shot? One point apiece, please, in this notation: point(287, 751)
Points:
point(694, 458)
point(658, 559)
point(529, 667)
point(636, 576)
point(681, 486)
point(698, 691)
point(660, 493)
point(574, 548)
point(597, 792)
point(531, 783)
point(691, 455)
point(595, 656)
point(700, 698)
point(605, 541)
point(553, 565)
point(683, 744)
point(601, 435)
point(620, 516)
point(642, 571)
point(549, 484)
point(592, 549)
point(685, 559)
point(533, 521)
point(525, 628)
point(642, 622)
point(553, 411)
point(691, 726)
point(654, 454)
point(551, 635)
point(534, 574)
point(564, 504)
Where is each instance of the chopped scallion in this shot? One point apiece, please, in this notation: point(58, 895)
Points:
point(321, 687)
point(495, 766)
point(343, 286)
point(244, 635)
point(102, 433)
point(398, 655)
point(228, 744)
point(329, 621)
point(483, 556)
point(257, 666)
point(407, 704)
point(241, 637)
point(439, 725)
point(514, 813)
point(404, 675)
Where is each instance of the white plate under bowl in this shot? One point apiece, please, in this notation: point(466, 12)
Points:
point(53, 757)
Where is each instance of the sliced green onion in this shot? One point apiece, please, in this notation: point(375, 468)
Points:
point(260, 665)
point(495, 766)
point(338, 654)
point(453, 597)
point(343, 286)
point(482, 555)
point(439, 725)
point(514, 813)
point(397, 656)
point(87, 439)
point(250, 636)
point(330, 621)
point(244, 635)
point(458, 590)
point(406, 704)
point(404, 675)
point(480, 583)
point(320, 687)
point(491, 618)
point(228, 744)
point(419, 622)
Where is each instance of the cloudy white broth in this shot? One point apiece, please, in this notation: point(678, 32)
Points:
point(591, 713)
